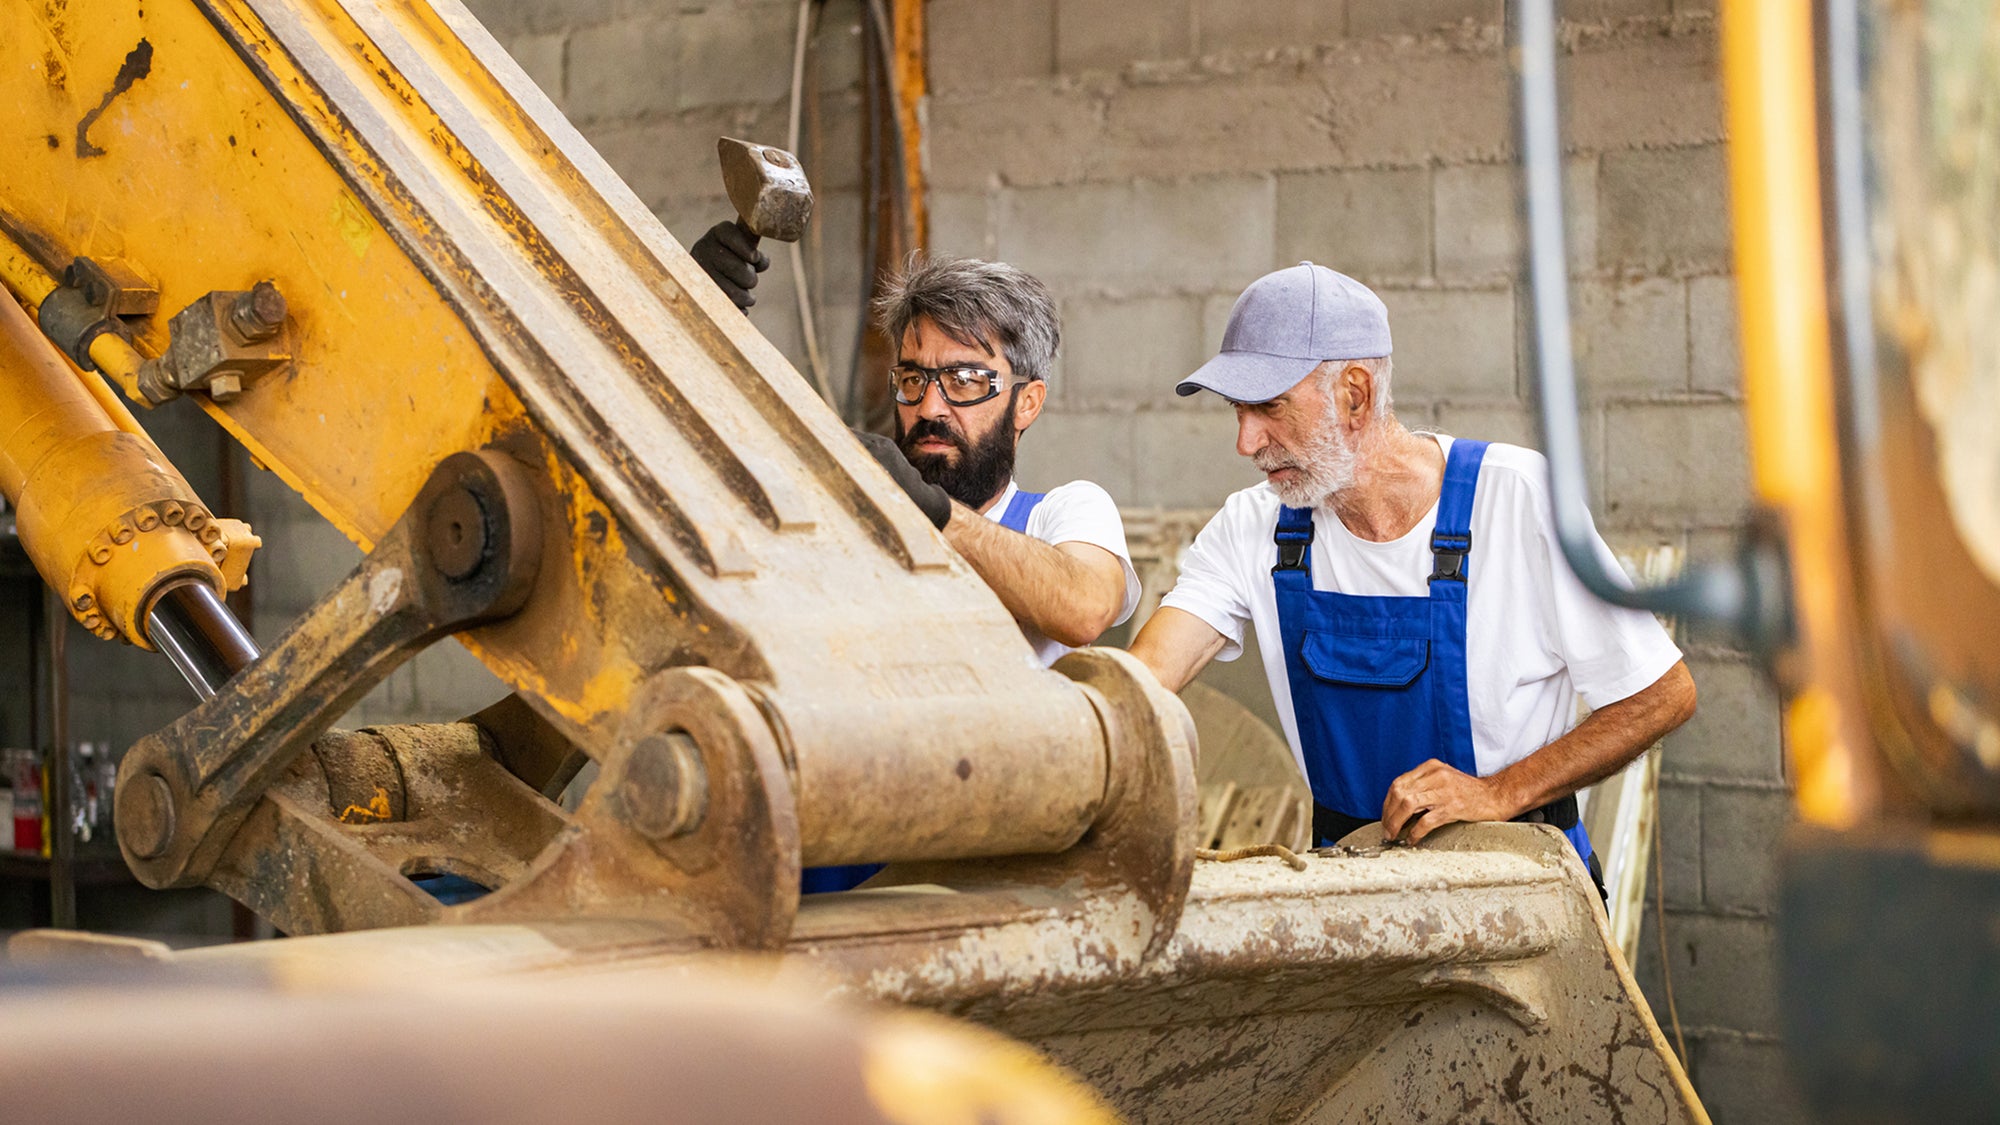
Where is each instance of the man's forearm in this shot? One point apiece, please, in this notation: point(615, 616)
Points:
point(1176, 645)
point(1066, 598)
point(1601, 745)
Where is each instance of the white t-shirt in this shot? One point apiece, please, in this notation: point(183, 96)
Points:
point(1077, 512)
point(1535, 639)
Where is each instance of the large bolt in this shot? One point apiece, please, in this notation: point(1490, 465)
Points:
point(144, 811)
point(665, 794)
point(455, 533)
point(257, 315)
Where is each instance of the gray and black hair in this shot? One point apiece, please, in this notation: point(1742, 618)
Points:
point(979, 304)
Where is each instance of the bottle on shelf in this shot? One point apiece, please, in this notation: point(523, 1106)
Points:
point(27, 802)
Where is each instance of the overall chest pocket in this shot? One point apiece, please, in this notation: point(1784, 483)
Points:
point(1365, 661)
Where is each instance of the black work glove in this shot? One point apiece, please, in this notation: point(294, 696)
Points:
point(934, 501)
point(729, 254)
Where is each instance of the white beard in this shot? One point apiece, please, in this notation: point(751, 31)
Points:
point(1325, 466)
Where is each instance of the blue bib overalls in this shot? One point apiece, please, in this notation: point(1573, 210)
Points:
point(1379, 683)
point(846, 877)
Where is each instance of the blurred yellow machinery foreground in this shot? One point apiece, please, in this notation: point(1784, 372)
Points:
point(358, 236)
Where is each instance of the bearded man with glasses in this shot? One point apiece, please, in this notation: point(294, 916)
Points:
point(975, 341)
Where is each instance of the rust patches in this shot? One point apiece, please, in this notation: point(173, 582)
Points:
point(138, 64)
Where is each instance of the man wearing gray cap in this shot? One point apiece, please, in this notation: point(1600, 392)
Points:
point(1425, 641)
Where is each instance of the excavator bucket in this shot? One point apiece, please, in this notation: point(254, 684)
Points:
point(357, 236)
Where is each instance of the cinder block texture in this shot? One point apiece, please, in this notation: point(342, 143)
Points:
point(1102, 34)
point(1373, 225)
point(616, 71)
point(1581, 11)
point(1739, 868)
point(509, 18)
point(974, 43)
point(1481, 227)
point(1733, 735)
point(1644, 90)
point(1682, 816)
point(1715, 358)
point(1452, 341)
point(735, 54)
point(1211, 233)
point(1677, 462)
point(1129, 352)
point(1631, 337)
point(669, 161)
point(1665, 211)
point(541, 56)
point(1228, 25)
point(1723, 970)
point(1378, 17)
point(961, 224)
point(1516, 423)
point(1064, 446)
point(1746, 1081)
point(1187, 459)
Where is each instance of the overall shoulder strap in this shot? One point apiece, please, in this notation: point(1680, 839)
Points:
point(1294, 535)
point(1451, 538)
point(1015, 518)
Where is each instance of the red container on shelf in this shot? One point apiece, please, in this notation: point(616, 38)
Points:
point(27, 770)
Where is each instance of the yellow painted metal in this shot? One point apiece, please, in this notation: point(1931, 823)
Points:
point(316, 242)
point(1788, 384)
point(912, 86)
point(23, 276)
point(31, 284)
point(107, 523)
point(921, 1071)
point(388, 193)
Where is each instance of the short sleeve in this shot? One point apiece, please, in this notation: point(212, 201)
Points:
point(1082, 512)
point(1211, 583)
point(1612, 653)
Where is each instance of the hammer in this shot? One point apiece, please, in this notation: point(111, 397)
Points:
point(768, 189)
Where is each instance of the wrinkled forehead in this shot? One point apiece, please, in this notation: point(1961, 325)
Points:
point(925, 342)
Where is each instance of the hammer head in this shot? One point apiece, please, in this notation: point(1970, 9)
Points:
point(768, 187)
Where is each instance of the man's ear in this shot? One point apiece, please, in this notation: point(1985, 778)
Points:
point(1029, 406)
point(1356, 388)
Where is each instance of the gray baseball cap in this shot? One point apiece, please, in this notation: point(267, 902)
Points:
point(1286, 324)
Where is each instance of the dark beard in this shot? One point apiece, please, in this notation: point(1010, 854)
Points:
point(984, 466)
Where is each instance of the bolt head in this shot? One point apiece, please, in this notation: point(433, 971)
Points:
point(257, 315)
point(225, 385)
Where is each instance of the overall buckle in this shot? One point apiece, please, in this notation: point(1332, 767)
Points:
point(1450, 552)
point(1292, 555)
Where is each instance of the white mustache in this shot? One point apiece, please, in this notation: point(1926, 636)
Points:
point(1270, 461)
